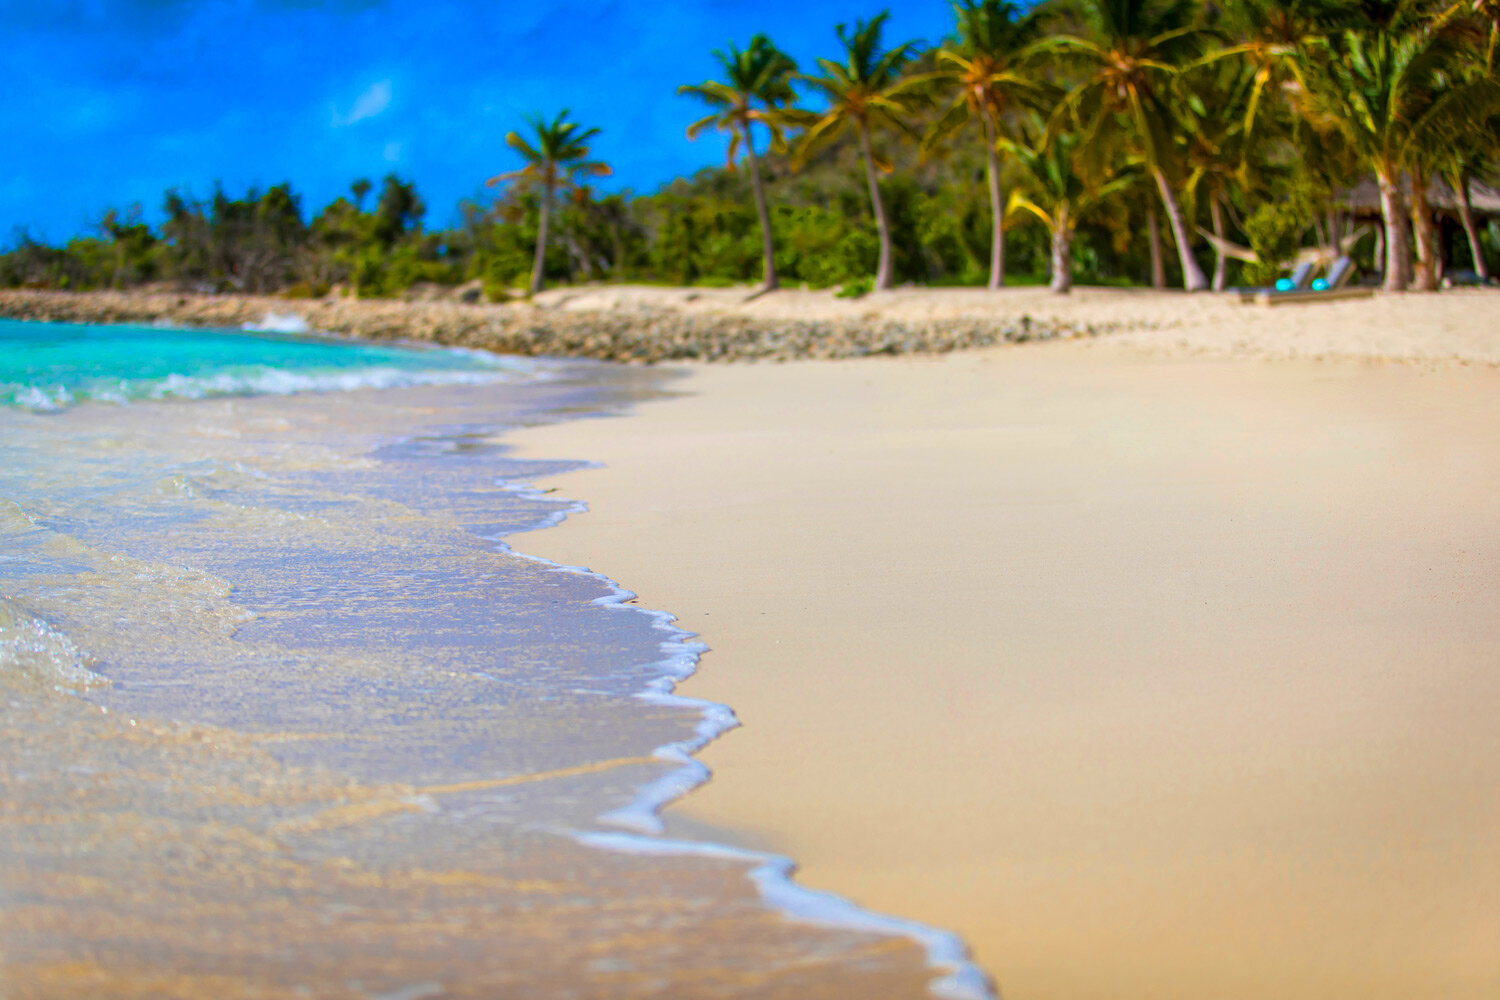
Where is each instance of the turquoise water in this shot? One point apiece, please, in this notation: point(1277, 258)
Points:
point(319, 729)
point(50, 366)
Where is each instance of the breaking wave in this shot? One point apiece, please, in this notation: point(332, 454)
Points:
point(47, 367)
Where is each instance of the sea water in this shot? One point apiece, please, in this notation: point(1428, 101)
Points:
point(282, 713)
point(48, 366)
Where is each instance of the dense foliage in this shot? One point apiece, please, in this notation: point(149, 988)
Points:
point(1107, 141)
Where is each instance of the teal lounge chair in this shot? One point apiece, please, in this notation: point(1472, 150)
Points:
point(1332, 288)
point(1301, 279)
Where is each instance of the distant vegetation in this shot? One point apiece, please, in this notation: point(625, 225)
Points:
point(1106, 141)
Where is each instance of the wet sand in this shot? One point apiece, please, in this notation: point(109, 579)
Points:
point(348, 748)
point(1153, 675)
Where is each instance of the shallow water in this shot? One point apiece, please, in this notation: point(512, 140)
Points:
point(50, 366)
point(282, 714)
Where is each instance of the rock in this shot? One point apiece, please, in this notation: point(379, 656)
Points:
point(637, 335)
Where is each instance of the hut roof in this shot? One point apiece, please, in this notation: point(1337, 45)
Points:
point(1365, 196)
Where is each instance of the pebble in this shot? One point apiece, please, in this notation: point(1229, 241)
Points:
point(636, 336)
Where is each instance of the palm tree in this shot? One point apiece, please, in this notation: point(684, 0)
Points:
point(1459, 167)
point(1479, 18)
point(1460, 134)
point(1453, 129)
point(359, 189)
point(758, 89)
point(987, 63)
point(1276, 36)
point(1374, 84)
point(1063, 186)
point(559, 158)
point(1130, 66)
point(1213, 106)
point(866, 90)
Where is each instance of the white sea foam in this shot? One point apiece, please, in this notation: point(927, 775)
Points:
point(264, 381)
point(31, 646)
point(43, 399)
point(772, 875)
point(280, 382)
point(275, 322)
point(960, 979)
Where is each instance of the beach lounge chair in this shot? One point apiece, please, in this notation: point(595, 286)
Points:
point(1301, 278)
point(1332, 288)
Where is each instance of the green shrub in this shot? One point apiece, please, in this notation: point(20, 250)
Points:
point(304, 290)
point(1275, 233)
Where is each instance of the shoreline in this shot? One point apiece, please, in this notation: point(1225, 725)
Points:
point(954, 598)
point(426, 856)
point(1149, 676)
point(639, 828)
point(643, 332)
point(649, 324)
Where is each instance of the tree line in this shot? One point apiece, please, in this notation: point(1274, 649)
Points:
point(1112, 141)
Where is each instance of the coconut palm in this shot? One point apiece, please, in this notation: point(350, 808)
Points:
point(1275, 38)
point(1128, 69)
point(1460, 134)
point(756, 89)
point(1456, 125)
point(1375, 85)
point(1062, 185)
point(864, 91)
point(558, 158)
point(1212, 104)
point(1459, 168)
point(986, 62)
point(1479, 18)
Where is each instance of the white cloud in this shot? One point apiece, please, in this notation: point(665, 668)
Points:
point(372, 102)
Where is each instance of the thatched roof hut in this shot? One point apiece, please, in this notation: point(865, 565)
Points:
point(1364, 198)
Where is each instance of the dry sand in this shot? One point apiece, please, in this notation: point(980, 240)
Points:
point(1458, 324)
point(1154, 675)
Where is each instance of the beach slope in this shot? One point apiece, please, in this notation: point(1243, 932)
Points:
point(1152, 674)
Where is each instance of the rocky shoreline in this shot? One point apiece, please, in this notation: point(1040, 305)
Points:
point(638, 334)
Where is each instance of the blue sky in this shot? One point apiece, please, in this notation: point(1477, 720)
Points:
point(113, 101)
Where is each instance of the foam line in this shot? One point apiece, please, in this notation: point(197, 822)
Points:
point(772, 876)
point(275, 322)
point(640, 820)
point(31, 645)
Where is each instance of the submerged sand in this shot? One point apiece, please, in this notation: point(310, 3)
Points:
point(1152, 670)
point(392, 738)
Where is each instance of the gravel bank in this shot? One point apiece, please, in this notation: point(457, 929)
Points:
point(640, 334)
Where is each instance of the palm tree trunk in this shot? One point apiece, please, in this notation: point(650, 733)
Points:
point(1062, 251)
point(1221, 268)
point(539, 263)
point(1471, 229)
point(1426, 277)
point(1192, 275)
point(767, 245)
point(997, 205)
point(1153, 234)
point(577, 255)
point(885, 273)
point(1393, 214)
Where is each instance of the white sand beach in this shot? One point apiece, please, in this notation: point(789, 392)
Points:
point(1161, 664)
point(1459, 324)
